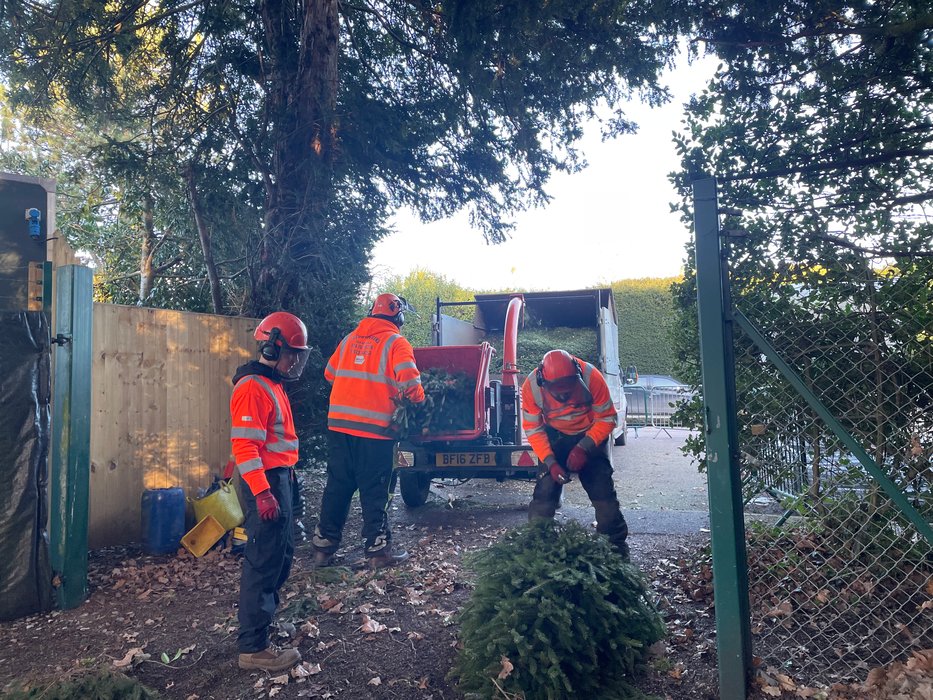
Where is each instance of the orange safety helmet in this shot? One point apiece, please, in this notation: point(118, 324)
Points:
point(282, 329)
point(391, 307)
point(557, 365)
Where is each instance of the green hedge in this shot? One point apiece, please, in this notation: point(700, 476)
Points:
point(644, 306)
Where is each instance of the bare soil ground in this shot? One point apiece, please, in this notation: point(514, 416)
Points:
point(170, 621)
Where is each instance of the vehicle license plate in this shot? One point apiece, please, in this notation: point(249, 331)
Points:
point(465, 459)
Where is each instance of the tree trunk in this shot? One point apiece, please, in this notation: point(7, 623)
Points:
point(301, 72)
point(147, 252)
point(204, 235)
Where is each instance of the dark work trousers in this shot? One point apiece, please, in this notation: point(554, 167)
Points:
point(363, 464)
point(267, 561)
point(596, 478)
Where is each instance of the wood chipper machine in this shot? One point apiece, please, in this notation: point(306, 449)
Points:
point(492, 447)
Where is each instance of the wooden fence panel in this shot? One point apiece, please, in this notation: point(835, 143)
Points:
point(159, 407)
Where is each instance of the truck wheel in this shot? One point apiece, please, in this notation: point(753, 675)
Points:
point(415, 488)
point(623, 436)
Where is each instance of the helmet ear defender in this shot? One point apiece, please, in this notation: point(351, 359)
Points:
point(268, 348)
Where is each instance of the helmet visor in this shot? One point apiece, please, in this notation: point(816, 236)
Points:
point(291, 363)
point(565, 388)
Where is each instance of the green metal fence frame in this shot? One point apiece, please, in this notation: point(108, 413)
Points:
point(727, 521)
point(69, 478)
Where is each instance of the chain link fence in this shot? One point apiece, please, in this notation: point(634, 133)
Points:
point(840, 580)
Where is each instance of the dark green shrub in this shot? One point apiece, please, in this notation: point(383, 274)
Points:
point(572, 618)
point(97, 686)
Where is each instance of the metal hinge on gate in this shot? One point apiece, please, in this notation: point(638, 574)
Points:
point(61, 339)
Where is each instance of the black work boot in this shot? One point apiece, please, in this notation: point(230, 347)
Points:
point(385, 558)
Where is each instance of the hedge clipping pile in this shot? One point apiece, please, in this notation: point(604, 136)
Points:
point(555, 613)
point(533, 343)
point(448, 405)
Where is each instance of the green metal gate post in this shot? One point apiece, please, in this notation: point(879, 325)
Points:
point(727, 523)
point(71, 434)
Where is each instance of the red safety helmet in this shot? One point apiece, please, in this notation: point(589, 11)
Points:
point(391, 307)
point(282, 329)
point(557, 365)
point(561, 374)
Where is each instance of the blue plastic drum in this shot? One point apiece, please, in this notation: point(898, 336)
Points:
point(163, 520)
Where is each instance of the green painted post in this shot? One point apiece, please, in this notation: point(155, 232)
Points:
point(727, 523)
point(71, 435)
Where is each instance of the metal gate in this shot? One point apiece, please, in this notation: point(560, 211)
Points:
point(818, 393)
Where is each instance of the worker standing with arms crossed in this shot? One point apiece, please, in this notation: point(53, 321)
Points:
point(568, 417)
point(370, 368)
point(265, 449)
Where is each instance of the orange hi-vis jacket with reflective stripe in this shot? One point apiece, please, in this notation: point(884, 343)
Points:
point(263, 430)
point(595, 414)
point(372, 365)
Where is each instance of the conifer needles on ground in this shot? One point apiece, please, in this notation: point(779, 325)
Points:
point(556, 613)
point(99, 686)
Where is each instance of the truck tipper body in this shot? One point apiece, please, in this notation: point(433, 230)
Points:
point(499, 344)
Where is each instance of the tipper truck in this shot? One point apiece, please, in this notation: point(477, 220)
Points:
point(583, 322)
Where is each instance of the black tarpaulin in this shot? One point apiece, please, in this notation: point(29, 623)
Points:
point(25, 573)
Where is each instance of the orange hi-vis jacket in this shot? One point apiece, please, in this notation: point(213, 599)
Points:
point(372, 365)
point(263, 430)
point(594, 414)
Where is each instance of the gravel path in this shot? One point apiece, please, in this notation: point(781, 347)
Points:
point(660, 490)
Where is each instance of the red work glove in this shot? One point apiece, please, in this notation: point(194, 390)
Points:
point(559, 474)
point(577, 459)
point(267, 505)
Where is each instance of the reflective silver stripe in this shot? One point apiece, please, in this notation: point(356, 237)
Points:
point(341, 349)
point(384, 358)
point(408, 364)
point(535, 431)
point(531, 417)
point(610, 421)
point(587, 443)
point(248, 433)
point(282, 446)
point(278, 429)
point(362, 412)
point(535, 389)
point(603, 406)
point(367, 376)
point(587, 373)
point(250, 465)
point(410, 383)
point(358, 425)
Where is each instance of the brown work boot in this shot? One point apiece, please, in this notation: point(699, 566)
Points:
point(385, 558)
point(322, 559)
point(270, 659)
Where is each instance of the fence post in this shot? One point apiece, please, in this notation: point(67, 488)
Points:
point(727, 524)
point(71, 434)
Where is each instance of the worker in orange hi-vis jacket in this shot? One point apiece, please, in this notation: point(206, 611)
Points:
point(265, 449)
point(568, 417)
point(369, 370)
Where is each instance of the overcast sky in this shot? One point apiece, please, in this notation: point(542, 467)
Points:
point(610, 221)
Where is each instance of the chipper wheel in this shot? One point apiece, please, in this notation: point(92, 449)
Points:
point(414, 487)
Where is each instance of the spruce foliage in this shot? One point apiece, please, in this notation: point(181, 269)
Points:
point(102, 685)
point(567, 612)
